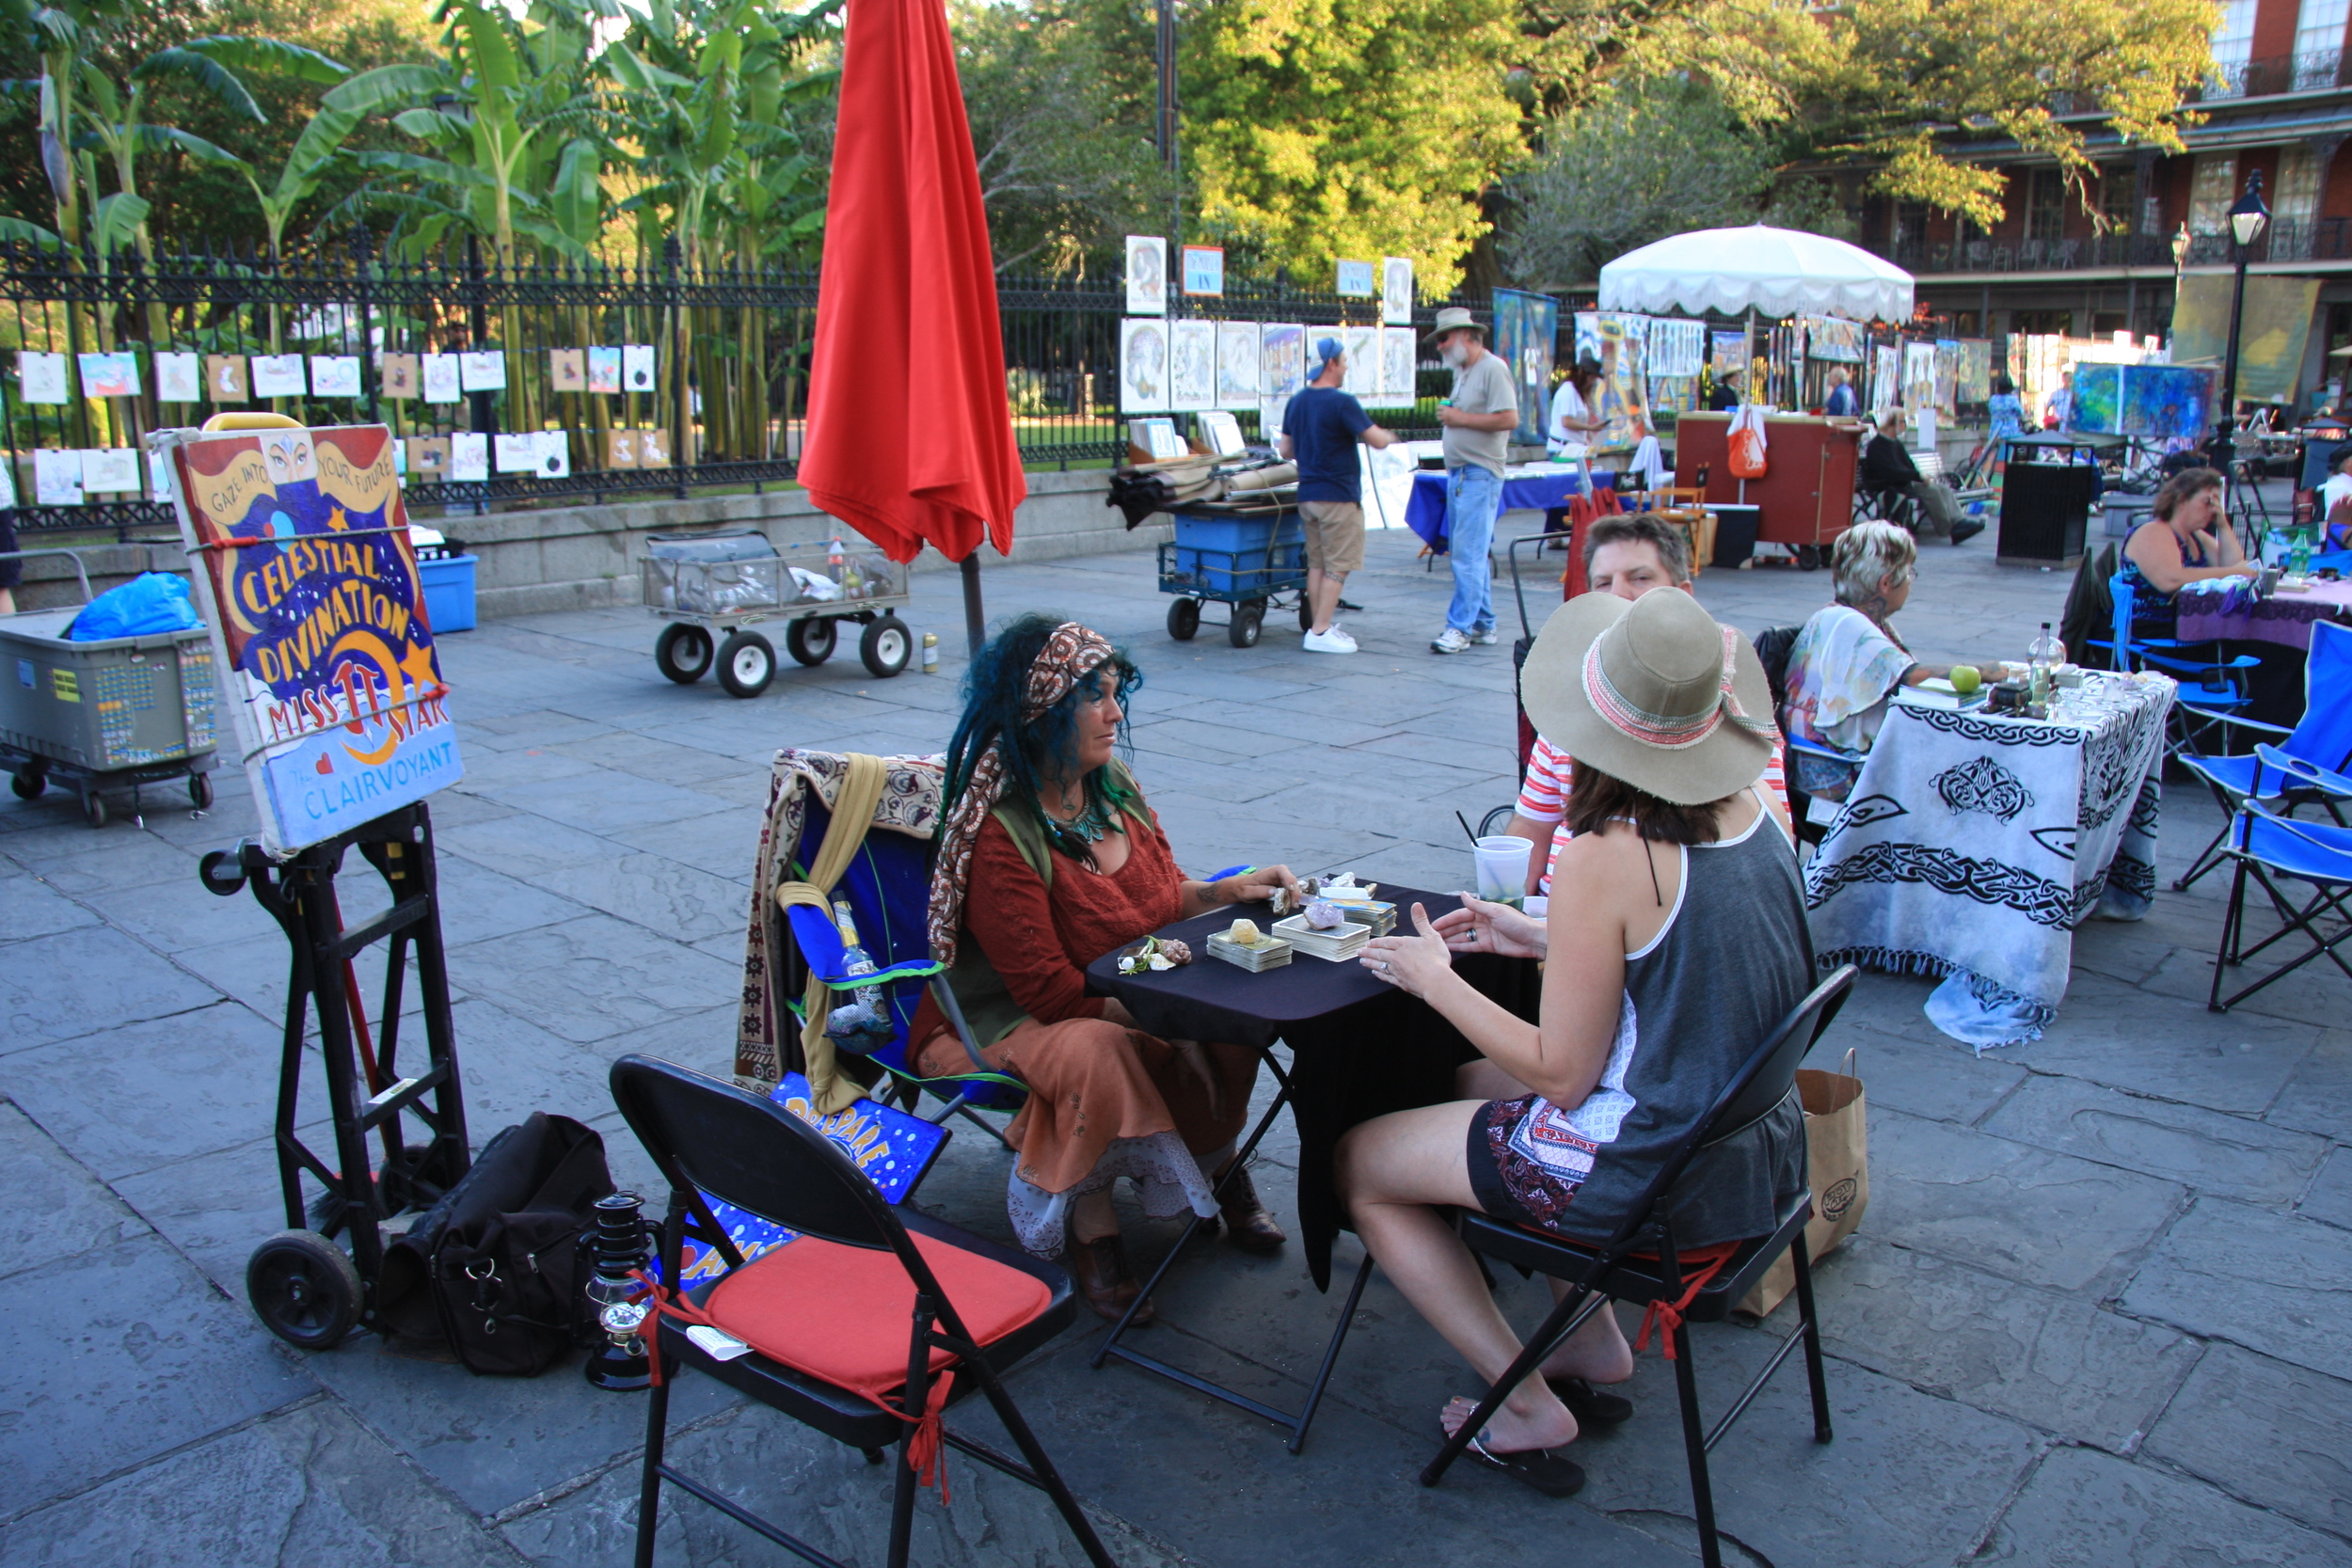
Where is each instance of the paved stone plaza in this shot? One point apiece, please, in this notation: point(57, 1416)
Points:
point(2097, 1313)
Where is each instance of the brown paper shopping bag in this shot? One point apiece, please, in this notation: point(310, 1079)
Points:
point(1838, 1157)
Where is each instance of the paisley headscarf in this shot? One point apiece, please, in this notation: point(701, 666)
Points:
point(1070, 654)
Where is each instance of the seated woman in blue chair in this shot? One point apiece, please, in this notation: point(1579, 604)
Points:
point(1048, 859)
point(2188, 540)
point(1683, 944)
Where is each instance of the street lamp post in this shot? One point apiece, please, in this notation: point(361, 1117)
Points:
point(2249, 217)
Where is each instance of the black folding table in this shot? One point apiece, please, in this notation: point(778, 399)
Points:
point(1360, 1047)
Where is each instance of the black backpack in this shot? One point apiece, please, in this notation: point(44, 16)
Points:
point(497, 1267)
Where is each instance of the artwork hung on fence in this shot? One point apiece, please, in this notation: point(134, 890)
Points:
point(620, 449)
point(653, 448)
point(225, 378)
point(1142, 365)
point(278, 375)
point(334, 375)
point(1362, 344)
point(481, 369)
point(1673, 394)
point(1356, 280)
point(428, 457)
point(1283, 355)
point(2153, 402)
point(41, 378)
point(1886, 377)
point(552, 456)
point(1396, 291)
point(1192, 357)
point(110, 470)
point(1676, 348)
point(159, 477)
point(305, 575)
point(56, 477)
point(604, 370)
point(1976, 370)
point(8, 487)
point(179, 377)
point(1835, 339)
point(1947, 377)
point(441, 381)
point(567, 369)
point(1723, 352)
point(469, 457)
point(1525, 328)
point(637, 369)
point(399, 377)
point(1399, 359)
point(1918, 378)
point(110, 375)
point(1204, 269)
point(1239, 364)
point(515, 451)
point(1621, 400)
point(1147, 274)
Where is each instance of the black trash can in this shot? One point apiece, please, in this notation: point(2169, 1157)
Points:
point(1735, 534)
point(2045, 509)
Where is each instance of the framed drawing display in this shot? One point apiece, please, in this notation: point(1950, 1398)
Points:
point(1147, 274)
point(1238, 364)
point(304, 573)
point(1396, 291)
point(179, 377)
point(1192, 360)
point(1142, 366)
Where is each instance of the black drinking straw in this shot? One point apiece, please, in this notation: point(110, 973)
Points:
point(1465, 829)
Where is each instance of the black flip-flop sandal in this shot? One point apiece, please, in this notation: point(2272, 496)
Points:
point(1589, 1405)
point(1540, 1468)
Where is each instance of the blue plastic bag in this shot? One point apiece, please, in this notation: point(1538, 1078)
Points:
point(149, 603)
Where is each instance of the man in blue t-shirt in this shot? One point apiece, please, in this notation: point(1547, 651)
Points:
point(1320, 431)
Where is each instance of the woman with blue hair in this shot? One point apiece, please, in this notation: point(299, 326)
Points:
point(1048, 859)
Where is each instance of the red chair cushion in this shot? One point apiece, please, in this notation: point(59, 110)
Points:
point(843, 1314)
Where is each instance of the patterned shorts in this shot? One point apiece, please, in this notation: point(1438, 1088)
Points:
point(1526, 1164)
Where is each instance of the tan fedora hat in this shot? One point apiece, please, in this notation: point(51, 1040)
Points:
point(1453, 319)
point(1653, 692)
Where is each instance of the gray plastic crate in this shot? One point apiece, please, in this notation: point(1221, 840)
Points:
point(109, 706)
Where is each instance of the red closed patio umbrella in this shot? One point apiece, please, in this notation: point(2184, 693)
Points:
point(910, 439)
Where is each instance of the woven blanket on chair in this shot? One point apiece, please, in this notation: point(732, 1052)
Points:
point(910, 805)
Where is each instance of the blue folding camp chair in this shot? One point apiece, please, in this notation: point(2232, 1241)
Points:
point(888, 889)
point(2264, 846)
point(2210, 687)
point(2321, 741)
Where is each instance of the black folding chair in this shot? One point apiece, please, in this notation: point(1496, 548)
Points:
point(710, 1137)
point(1641, 1265)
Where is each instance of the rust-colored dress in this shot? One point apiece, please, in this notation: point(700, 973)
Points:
point(1091, 1082)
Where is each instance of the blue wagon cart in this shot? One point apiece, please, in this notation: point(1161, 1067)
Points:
point(1248, 559)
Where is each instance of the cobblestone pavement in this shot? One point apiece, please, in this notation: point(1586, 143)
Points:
point(2096, 1314)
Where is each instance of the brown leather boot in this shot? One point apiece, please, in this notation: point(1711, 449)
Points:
point(1244, 1213)
point(1100, 1268)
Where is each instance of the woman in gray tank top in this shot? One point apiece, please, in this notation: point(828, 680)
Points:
point(1676, 941)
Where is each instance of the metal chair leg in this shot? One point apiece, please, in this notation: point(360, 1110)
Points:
point(1803, 1258)
point(1331, 1355)
point(913, 1401)
point(1695, 1450)
point(1041, 1464)
point(1538, 1344)
point(649, 1493)
point(2231, 918)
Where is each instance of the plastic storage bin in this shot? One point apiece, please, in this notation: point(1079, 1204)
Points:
point(1239, 555)
point(113, 707)
point(447, 592)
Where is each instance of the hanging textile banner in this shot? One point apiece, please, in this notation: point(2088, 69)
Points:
point(1833, 337)
point(1676, 348)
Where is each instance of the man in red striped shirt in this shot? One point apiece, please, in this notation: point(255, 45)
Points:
point(1628, 556)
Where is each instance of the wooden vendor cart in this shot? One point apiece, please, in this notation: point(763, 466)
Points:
point(1806, 494)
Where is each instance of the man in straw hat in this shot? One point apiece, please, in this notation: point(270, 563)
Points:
point(1683, 943)
point(1478, 417)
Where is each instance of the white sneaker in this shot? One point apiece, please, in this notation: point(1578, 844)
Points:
point(1486, 638)
point(1449, 641)
point(1332, 641)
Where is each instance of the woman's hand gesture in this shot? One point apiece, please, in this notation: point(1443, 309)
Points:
point(1256, 885)
point(1410, 963)
point(1479, 926)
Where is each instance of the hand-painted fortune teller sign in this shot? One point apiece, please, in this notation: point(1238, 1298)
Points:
point(305, 573)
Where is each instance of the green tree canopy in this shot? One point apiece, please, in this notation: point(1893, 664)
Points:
point(1316, 129)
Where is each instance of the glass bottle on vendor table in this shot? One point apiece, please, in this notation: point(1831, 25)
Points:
point(2044, 658)
point(863, 1024)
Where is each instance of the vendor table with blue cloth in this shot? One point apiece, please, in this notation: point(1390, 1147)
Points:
point(1972, 845)
point(1527, 488)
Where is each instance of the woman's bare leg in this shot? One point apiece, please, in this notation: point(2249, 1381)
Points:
point(1391, 1170)
point(1596, 1352)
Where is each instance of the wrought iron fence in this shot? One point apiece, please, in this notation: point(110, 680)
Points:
point(723, 392)
point(2318, 239)
point(2313, 72)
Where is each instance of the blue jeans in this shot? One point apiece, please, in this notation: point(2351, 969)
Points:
point(1474, 498)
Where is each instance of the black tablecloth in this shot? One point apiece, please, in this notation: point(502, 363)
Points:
point(1359, 1047)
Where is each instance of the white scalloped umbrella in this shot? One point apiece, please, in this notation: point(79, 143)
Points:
point(1772, 272)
